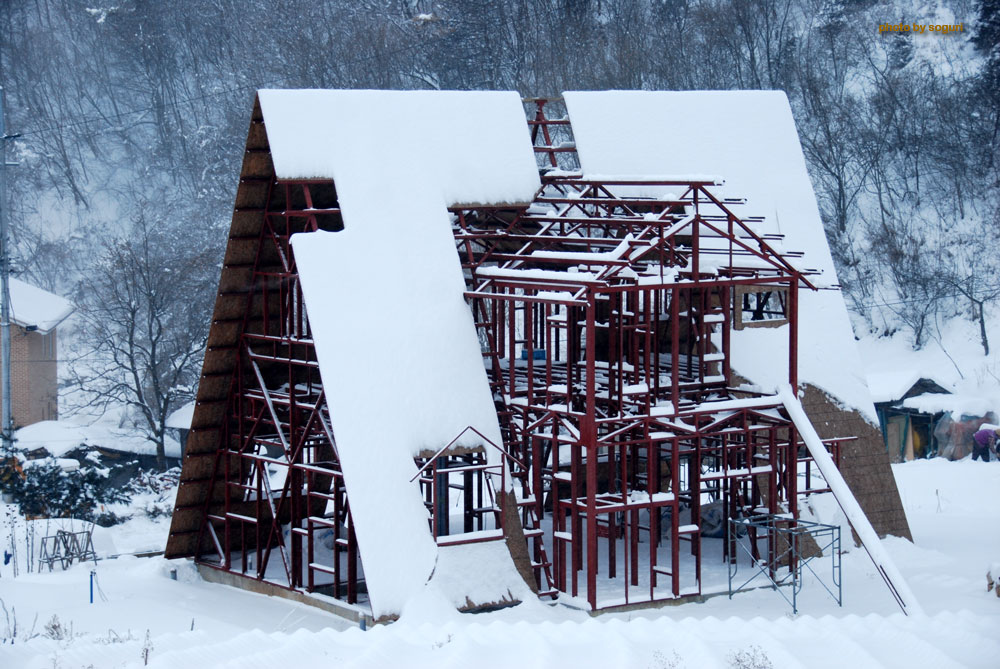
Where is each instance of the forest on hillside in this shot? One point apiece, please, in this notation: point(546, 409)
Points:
point(132, 118)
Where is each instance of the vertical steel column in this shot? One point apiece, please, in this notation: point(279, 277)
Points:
point(441, 520)
point(589, 433)
point(352, 564)
point(675, 345)
point(793, 334)
point(310, 548)
point(675, 543)
point(468, 497)
point(726, 304)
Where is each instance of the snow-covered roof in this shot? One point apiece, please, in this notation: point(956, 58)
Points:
point(890, 386)
point(367, 140)
point(958, 405)
point(395, 392)
point(58, 437)
point(181, 419)
point(30, 306)
point(66, 464)
point(749, 139)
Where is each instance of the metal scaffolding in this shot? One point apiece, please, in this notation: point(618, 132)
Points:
point(784, 560)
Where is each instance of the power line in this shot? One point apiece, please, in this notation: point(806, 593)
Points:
point(983, 292)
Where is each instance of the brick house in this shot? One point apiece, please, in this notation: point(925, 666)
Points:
point(34, 314)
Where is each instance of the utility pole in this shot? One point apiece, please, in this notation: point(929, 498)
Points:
point(6, 416)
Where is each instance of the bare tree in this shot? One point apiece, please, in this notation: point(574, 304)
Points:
point(971, 273)
point(145, 306)
point(146, 96)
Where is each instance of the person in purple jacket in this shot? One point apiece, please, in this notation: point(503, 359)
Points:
point(981, 442)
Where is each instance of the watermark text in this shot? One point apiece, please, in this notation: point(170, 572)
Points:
point(920, 28)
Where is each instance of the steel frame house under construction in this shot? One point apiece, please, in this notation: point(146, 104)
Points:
point(603, 309)
point(624, 409)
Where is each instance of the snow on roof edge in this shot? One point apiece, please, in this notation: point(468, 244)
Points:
point(891, 386)
point(963, 405)
point(182, 417)
point(31, 306)
point(306, 134)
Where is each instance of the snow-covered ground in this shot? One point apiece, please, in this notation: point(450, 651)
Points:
point(953, 509)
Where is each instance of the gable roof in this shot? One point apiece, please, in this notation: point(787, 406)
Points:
point(398, 159)
point(31, 306)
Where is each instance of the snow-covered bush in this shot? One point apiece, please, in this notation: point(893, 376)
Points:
point(56, 630)
point(153, 492)
point(12, 632)
point(44, 488)
point(753, 657)
point(150, 481)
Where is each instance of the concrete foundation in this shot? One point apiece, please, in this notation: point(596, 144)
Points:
point(346, 611)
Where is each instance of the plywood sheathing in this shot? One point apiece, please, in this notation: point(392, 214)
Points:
point(517, 544)
point(256, 175)
point(863, 461)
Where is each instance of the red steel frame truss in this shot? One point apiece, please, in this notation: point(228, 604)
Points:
point(605, 321)
point(285, 518)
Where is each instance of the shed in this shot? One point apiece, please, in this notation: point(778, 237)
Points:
point(908, 427)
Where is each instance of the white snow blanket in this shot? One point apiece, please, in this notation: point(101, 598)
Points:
point(958, 405)
point(32, 306)
point(396, 341)
point(891, 386)
point(58, 437)
point(181, 419)
point(749, 139)
point(463, 147)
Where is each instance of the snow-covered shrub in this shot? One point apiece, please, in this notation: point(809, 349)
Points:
point(45, 489)
point(151, 481)
point(154, 510)
point(154, 492)
point(11, 632)
point(147, 649)
point(753, 657)
point(662, 661)
point(56, 630)
point(108, 518)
